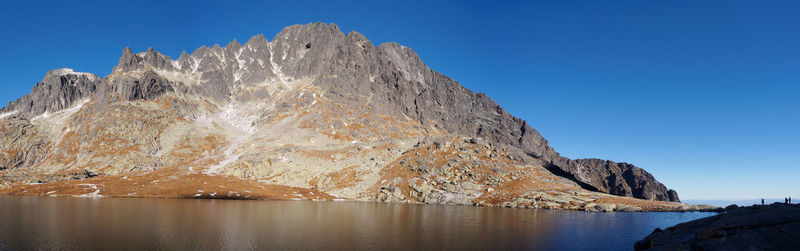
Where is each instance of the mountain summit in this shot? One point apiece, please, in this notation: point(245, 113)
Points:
point(312, 114)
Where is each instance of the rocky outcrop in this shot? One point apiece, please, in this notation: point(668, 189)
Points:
point(771, 227)
point(148, 86)
point(150, 58)
point(621, 179)
point(128, 61)
point(59, 89)
point(21, 143)
point(471, 171)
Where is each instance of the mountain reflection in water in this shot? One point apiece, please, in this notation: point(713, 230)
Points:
point(115, 223)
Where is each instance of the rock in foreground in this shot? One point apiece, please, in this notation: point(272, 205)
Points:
point(772, 227)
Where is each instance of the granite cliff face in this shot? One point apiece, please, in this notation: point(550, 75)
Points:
point(314, 108)
point(58, 90)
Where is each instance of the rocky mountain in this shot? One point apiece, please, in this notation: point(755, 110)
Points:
point(312, 109)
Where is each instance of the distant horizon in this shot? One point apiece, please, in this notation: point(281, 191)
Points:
point(707, 103)
point(742, 202)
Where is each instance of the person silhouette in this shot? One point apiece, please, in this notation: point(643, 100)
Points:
point(785, 200)
point(762, 202)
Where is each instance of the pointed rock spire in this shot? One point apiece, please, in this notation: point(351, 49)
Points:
point(183, 56)
point(128, 61)
point(185, 61)
point(157, 60)
point(256, 41)
point(234, 45)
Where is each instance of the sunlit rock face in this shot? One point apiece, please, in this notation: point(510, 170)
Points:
point(312, 109)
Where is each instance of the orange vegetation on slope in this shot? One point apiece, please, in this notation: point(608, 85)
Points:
point(167, 183)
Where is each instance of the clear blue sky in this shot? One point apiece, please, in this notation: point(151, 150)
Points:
point(704, 95)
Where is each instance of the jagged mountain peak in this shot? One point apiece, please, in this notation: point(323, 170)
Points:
point(299, 31)
point(183, 57)
point(59, 89)
point(355, 35)
point(68, 71)
point(233, 45)
point(128, 61)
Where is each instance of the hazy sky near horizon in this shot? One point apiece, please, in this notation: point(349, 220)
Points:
point(705, 95)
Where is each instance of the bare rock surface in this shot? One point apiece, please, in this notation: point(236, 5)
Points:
point(770, 227)
point(58, 90)
point(22, 143)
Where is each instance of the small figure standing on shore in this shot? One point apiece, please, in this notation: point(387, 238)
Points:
point(785, 200)
point(762, 202)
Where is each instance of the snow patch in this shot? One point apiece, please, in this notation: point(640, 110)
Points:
point(58, 118)
point(238, 126)
point(175, 64)
point(242, 65)
point(219, 57)
point(180, 77)
point(66, 71)
point(275, 69)
point(4, 115)
point(195, 65)
point(95, 194)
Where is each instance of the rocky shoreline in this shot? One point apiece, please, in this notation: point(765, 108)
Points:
point(435, 170)
point(229, 191)
point(767, 227)
point(590, 207)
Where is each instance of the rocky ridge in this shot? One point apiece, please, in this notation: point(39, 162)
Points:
point(313, 108)
point(58, 90)
point(769, 227)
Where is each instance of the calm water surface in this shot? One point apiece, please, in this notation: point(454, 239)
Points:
point(112, 224)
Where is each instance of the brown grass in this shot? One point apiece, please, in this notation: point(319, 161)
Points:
point(169, 183)
point(346, 177)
